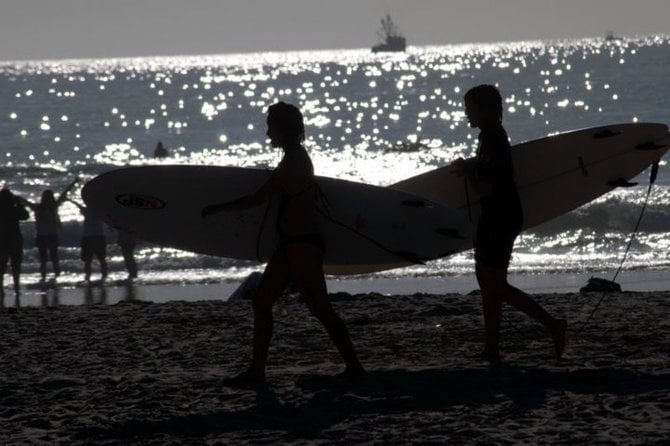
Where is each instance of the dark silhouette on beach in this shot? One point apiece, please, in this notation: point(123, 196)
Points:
point(12, 212)
point(47, 227)
point(492, 177)
point(299, 256)
point(93, 242)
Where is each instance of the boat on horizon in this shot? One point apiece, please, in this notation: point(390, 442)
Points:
point(611, 37)
point(390, 38)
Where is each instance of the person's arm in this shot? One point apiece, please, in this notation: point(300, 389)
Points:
point(21, 212)
point(63, 196)
point(259, 197)
point(23, 202)
point(81, 207)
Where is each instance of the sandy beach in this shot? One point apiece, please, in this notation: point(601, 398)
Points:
point(152, 373)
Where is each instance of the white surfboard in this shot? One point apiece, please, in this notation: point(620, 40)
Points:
point(556, 174)
point(365, 228)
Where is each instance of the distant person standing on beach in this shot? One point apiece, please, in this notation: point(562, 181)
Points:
point(160, 151)
point(11, 239)
point(47, 227)
point(299, 256)
point(93, 243)
point(492, 177)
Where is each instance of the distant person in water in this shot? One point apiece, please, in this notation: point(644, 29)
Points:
point(160, 151)
point(11, 239)
point(299, 256)
point(492, 177)
point(127, 243)
point(93, 243)
point(47, 227)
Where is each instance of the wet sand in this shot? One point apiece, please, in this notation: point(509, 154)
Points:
point(152, 373)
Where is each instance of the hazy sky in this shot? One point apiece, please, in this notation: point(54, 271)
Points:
point(54, 29)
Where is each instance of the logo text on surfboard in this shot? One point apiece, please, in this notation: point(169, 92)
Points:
point(140, 202)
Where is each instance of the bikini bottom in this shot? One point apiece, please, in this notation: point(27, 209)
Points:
point(306, 239)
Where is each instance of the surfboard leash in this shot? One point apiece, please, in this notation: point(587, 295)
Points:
point(262, 226)
point(652, 180)
point(467, 197)
point(323, 200)
point(261, 229)
point(406, 256)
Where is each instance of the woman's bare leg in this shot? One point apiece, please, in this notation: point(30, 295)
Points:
point(272, 284)
point(53, 252)
point(494, 286)
point(3, 268)
point(16, 274)
point(42, 250)
point(307, 272)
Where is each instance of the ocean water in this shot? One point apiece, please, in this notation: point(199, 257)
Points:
point(374, 118)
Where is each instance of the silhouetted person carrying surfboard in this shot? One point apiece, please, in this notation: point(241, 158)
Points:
point(299, 256)
point(492, 177)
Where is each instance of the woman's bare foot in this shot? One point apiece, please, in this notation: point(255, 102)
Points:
point(352, 372)
point(246, 380)
point(489, 355)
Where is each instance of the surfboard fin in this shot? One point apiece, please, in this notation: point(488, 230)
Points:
point(410, 257)
point(450, 232)
point(649, 145)
point(605, 133)
point(414, 203)
point(447, 254)
point(621, 182)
